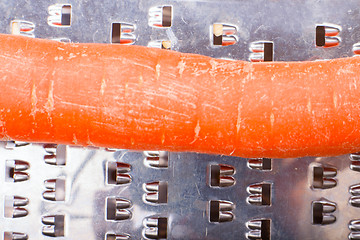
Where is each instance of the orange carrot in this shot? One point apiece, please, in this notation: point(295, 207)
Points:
point(139, 98)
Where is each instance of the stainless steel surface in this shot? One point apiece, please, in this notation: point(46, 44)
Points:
point(65, 192)
point(90, 199)
point(290, 25)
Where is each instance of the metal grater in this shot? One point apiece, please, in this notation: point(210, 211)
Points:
point(63, 192)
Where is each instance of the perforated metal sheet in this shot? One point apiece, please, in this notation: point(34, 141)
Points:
point(190, 196)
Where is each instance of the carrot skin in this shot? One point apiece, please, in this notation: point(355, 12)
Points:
point(139, 98)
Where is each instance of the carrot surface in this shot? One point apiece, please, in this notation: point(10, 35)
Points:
point(133, 97)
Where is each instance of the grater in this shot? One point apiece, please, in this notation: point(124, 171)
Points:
point(51, 191)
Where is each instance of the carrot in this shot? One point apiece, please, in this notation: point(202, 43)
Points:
point(132, 97)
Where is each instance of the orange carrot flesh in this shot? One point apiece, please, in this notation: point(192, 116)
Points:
point(139, 98)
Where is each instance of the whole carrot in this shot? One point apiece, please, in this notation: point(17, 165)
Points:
point(139, 98)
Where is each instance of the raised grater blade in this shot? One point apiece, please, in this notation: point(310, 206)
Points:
point(54, 191)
